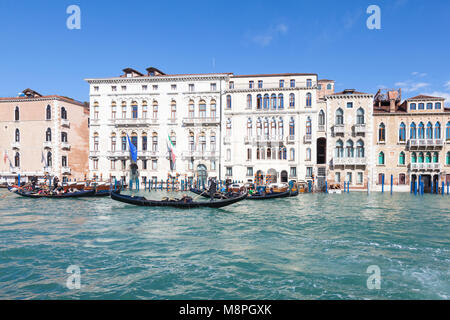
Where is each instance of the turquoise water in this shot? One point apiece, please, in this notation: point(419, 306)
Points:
point(314, 246)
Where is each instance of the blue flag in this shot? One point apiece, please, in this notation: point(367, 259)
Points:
point(133, 150)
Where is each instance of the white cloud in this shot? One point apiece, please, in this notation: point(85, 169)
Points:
point(267, 37)
point(411, 86)
point(447, 85)
point(445, 95)
point(419, 74)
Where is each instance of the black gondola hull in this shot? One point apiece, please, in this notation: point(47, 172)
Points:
point(80, 194)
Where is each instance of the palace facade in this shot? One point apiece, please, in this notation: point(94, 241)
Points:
point(43, 135)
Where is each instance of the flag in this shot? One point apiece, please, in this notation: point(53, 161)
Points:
point(5, 157)
point(133, 150)
point(171, 148)
point(43, 159)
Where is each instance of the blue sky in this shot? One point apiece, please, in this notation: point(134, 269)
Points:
point(327, 37)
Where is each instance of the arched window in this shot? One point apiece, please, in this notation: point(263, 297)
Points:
point(428, 157)
point(257, 154)
point(95, 140)
point(273, 127)
point(213, 109)
point(308, 154)
point(284, 153)
point(308, 100)
point(266, 101)
point(329, 86)
point(280, 101)
point(412, 131)
point(339, 149)
point(258, 101)
point(113, 110)
point(173, 110)
point(48, 135)
point(429, 130)
point(249, 127)
point(249, 101)
point(447, 161)
point(381, 158)
point(213, 141)
point(413, 157)
point(144, 141)
point(228, 128)
point(154, 142)
point(280, 127)
point(17, 160)
point(421, 133)
point(228, 102)
point(401, 158)
point(321, 118)
point(63, 136)
point(123, 139)
point(360, 149)
point(63, 113)
point(48, 112)
point(412, 106)
point(437, 105)
point(269, 153)
point(191, 141)
point(447, 131)
point(402, 132)
point(17, 114)
point(202, 142)
point(266, 128)
point(292, 154)
point(155, 110)
point(273, 101)
point(360, 116)
point(381, 133)
point(134, 110)
point(436, 157)
point(437, 130)
point(49, 159)
point(258, 127)
point(124, 110)
point(421, 157)
point(308, 126)
point(113, 141)
point(339, 116)
point(17, 135)
point(291, 100)
point(144, 109)
point(191, 109)
point(202, 109)
point(292, 127)
point(349, 148)
point(96, 110)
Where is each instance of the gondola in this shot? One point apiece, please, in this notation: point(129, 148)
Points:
point(141, 201)
point(270, 195)
point(78, 194)
point(205, 194)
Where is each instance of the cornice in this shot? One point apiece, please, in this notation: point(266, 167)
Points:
point(175, 78)
point(312, 88)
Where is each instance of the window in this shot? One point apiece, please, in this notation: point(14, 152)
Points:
point(249, 101)
point(124, 110)
point(249, 171)
point(447, 161)
point(173, 110)
point(191, 87)
point(113, 88)
point(48, 135)
point(280, 101)
point(339, 117)
point(154, 165)
point(113, 110)
point(437, 105)
point(401, 158)
point(266, 101)
point(308, 126)
point(429, 130)
point(16, 114)
point(273, 101)
point(155, 87)
point(124, 166)
point(337, 177)
point(228, 102)
point(437, 130)
point(360, 116)
point(64, 161)
point(96, 107)
point(308, 154)
point(191, 109)
point(17, 136)
point(436, 157)
point(402, 133)
point(124, 88)
point(308, 99)
point(292, 83)
point(173, 87)
point(95, 89)
point(360, 149)
point(228, 127)
point(155, 110)
point(428, 157)
point(202, 109)
point(380, 178)
point(202, 142)
point(213, 109)
point(447, 131)
point(113, 142)
point(429, 106)
point(412, 106)
point(191, 142)
point(321, 118)
point(260, 84)
point(251, 84)
point(291, 100)
point(360, 178)
point(63, 136)
point(292, 127)
point(349, 177)
point(349, 105)
point(350, 149)
point(228, 154)
point(213, 142)
point(258, 101)
point(249, 127)
point(144, 87)
point(401, 178)
point(281, 83)
point(421, 157)
point(213, 87)
point(124, 142)
point(144, 141)
point(412, 131)
point(134, 110)
point(291, 154)
point(381, 158)
point(113, 164)
point(329, 87)
point(144, 109)
point(213, 164)
point(421, 106)
point(49, 159)
point(231, 85)
point(154, 142)
point(381, 133)
point(229, 171)
point(309, 172)
point(413, 157)
point(293, 172)
point(339, 152)
point(249, 154)
point(421, 134)
point(63, 113)
point(48, 113)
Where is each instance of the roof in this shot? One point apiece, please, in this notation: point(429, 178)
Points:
point(273, 75)
point(347, 92)
point(424, 97)
point(325, 80)
point(34, 95)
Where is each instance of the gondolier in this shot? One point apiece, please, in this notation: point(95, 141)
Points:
point(212, 188)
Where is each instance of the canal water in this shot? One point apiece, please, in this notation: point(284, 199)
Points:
point(314, 246)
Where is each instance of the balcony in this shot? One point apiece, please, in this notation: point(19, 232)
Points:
point(15, 145)
point(148, 153)
point(65, 170)
point(65, 123)
point(119, 154)
point(172, 121)
point(47, 145)
point(200, 154)
point(201, 121)
point(269, 138)
point(94, 154)
point(65, 145)
point(425, 167)
point(346, 161)
point(339, 129)
point(134, 122)
point(290, 139)
point(307, 138)
point(418, 144)
point(360, 128)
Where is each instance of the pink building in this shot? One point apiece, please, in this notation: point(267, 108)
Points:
point(42, 135)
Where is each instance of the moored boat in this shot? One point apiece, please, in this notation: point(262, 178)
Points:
point(180, 204)
point(78, 194)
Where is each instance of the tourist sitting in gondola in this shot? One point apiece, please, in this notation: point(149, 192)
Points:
point(186, 199)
